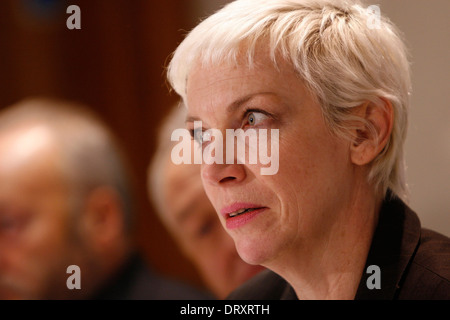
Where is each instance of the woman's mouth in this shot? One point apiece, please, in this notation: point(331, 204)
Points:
point(242, 211)
point(239, 214)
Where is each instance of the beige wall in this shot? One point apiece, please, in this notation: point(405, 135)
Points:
point(426, 26)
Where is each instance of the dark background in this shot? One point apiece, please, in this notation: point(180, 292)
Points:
point(115, 65)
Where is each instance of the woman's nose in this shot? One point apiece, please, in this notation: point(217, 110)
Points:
point(223, 174)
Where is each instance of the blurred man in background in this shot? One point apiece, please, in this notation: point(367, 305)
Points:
point(177, 193)
point(65, 200)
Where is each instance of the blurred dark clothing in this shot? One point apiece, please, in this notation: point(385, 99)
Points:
point(136, 281)
point(414, 263)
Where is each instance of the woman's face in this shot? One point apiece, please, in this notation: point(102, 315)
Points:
point(295, 208)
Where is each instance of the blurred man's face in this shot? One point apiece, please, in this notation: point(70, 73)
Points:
point(34, 218)
point(197, 229)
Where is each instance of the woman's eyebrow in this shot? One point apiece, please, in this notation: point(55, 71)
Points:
point(192, 119)
point(239, 102)
point(235, 105)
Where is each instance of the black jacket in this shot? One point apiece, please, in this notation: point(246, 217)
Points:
point(414, 263)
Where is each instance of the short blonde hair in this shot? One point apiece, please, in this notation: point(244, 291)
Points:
point(343, 59)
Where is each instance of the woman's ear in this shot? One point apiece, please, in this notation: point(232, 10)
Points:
point(372, 134)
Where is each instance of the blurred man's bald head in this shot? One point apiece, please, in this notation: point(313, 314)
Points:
point(64, 200)
point(88, 152)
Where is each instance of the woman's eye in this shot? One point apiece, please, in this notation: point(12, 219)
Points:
point(198, 136)
point(201, 136)
point(255, 118)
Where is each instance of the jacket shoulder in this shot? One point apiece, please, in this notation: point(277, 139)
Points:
point(428, 276)
point(434, 253)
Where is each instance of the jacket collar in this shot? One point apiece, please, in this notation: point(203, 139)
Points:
point(393, 247)
point(394, 244)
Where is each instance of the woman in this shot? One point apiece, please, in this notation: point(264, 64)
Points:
point(330, 223)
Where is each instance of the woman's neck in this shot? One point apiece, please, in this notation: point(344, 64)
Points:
point(330, 265)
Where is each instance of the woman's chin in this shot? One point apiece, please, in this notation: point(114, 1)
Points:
point(253, 251)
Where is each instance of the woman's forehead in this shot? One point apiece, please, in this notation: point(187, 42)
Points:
point(220, 87)
point(242, 79)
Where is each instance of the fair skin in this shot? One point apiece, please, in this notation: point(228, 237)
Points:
point(39, 234)
point(318, 213)
point(193, 222)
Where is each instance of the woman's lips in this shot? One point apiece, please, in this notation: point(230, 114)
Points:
point(238, 206)
point(238, 214)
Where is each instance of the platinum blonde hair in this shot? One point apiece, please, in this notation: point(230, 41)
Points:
point(343, 59)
